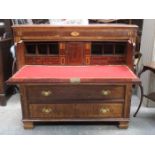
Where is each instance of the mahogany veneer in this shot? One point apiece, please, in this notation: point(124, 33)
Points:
point(71, 95)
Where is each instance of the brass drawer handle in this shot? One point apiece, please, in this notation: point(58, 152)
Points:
point(75, 34)
point(104, 110)
point(46, 110)
point(46, 93)
point(105, 92)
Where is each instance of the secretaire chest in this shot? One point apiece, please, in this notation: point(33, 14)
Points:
point(75, 73)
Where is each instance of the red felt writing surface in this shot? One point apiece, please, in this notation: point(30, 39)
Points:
point(84, 73)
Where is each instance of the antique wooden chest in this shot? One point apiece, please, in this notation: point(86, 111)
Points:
point(75, 73)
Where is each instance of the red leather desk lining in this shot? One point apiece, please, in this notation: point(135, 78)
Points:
point(36, 73)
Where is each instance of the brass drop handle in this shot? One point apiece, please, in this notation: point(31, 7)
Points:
point(46, 93)
point(104, 110)
point(105, 92)
point(46, 110)
point(75, 34)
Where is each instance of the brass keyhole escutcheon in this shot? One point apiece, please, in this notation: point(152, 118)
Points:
point(75, 34)
point(46, 110)
point(104, 110)
point(46, 93)
point(105, 92)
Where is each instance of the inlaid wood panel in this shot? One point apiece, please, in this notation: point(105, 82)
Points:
point(42, 60)
point(74, 53)
point(105, 60)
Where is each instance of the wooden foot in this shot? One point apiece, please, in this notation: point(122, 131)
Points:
point(123, 125)
point(28, 125)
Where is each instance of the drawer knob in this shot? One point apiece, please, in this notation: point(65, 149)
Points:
point(104, 110)
point(106, 92)
point(46, 93)
point(75, 34)
point(46, 110)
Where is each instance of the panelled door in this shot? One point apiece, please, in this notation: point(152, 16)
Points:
point(74, 53)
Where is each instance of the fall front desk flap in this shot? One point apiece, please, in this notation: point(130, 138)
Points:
point(73, 74)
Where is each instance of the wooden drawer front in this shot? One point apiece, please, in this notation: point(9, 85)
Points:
point(99, 110)
point(75, 92)
point(76, 110)
point(75, 33)
point(52, 110)
point(89, 34)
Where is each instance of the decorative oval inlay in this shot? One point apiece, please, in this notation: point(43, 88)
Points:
point(75, 34)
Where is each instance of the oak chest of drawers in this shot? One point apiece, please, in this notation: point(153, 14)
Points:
point(75, 73)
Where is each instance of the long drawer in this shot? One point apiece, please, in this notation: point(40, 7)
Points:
point(74, 33)
point(113, 110)
point(47, 94)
